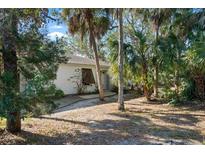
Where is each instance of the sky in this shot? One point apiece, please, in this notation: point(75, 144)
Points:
point(56, 29)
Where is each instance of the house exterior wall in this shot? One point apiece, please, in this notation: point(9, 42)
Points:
point(68, 75)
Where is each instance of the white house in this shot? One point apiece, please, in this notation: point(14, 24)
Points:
point(80, 73)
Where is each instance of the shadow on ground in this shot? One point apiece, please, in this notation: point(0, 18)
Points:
point(91, 102)
point(135, 126)
point(131, 129)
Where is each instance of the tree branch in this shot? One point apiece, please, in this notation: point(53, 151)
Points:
point(47, 16)
point(113, 27)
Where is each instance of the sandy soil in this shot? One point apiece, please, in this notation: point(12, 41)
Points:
point(94, 122)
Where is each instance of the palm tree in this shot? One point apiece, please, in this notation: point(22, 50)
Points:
point(182, 32)
point(177, 37)
point(139, 32)
point(195, 58)
point(158, 17)
point(94, 23)
point(120, 61)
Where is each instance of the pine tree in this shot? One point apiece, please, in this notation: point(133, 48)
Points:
point(26, 52)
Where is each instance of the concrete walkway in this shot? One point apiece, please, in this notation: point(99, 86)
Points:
point(71, 99)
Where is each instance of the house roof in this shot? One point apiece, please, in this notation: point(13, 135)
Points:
point(73, 59)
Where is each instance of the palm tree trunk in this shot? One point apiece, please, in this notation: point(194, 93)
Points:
point(156, 74)
point(120, 62)
point(145, 81)
point(177, 82)
point(93, 45)
point(200, 86)
point(11, 86)
point(97, 63)
point(156, 68)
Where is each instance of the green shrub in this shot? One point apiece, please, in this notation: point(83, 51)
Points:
point(188, 92)
point(170, 96)
point(59, 94)
point(38, 96)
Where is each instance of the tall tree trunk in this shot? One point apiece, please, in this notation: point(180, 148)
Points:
point(156, 74)
point(177, 82)
point(97, 63)
point(11, 85)
point(93, 45)
point(200, 86)
point(120, 62)
point(156, 66)
point(145, 81)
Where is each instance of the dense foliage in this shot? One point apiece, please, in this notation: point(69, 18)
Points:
point(29, 56)
point(164, 51)
point(163, 54)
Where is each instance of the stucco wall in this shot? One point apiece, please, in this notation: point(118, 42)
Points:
point(67, 76)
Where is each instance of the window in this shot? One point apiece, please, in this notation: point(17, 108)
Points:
point(87, 76)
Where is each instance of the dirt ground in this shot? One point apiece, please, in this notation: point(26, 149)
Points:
point(101, 123)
